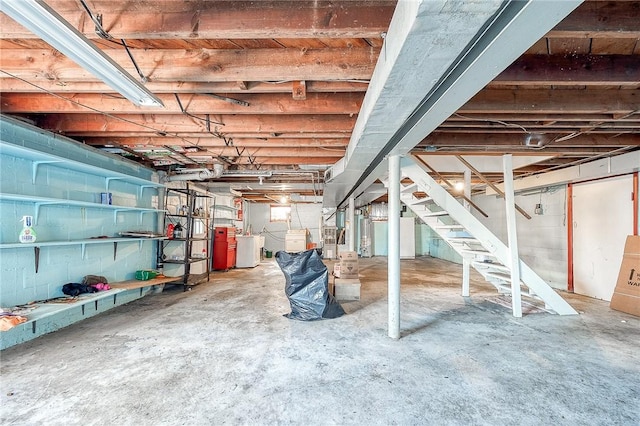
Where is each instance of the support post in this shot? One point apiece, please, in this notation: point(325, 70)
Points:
point(393, 270)
point(466, 263)
point(512, 235)
point(351, 228)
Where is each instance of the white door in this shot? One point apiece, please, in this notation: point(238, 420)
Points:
point(602, 219)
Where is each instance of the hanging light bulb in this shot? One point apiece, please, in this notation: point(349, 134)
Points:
point(283, 199)
point(458, 186)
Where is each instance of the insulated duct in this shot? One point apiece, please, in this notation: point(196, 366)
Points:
point(198, 174)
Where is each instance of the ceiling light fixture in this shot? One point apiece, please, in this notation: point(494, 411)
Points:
point(39, 18)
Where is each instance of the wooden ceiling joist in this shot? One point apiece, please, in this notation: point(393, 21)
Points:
point(97, 124)
point(272, 152)
point(591, 70)
point(204, 65)
point(600, 19)
point(218, 142)
point(438, 139)
point(553, 101)
point(315, 103)
point(225, 19)
point(10, 85)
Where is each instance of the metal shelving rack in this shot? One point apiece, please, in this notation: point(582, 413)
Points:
point(188, 214)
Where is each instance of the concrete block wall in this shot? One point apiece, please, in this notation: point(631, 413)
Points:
point(542, 240)
point(303, 215)
point(58, 265)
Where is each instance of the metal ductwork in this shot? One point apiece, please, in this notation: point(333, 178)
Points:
point(197, 174)
point(248, 173)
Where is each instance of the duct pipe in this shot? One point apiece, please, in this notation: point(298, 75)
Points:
point(202, 174)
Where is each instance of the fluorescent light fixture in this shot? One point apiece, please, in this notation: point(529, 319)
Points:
point(39, 18)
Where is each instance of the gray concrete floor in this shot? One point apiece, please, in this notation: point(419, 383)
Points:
point(224, 354)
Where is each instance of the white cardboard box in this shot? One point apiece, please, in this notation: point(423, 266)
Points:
point(346, 289)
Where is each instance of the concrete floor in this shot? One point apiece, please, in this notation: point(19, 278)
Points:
point(224, 354)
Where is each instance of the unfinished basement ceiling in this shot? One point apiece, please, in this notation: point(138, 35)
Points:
point(272, 89)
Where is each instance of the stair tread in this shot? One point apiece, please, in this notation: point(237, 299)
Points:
point(449, 227)
point(438, 213)
point(498, 275)
point(413, 187)
point(422, 200)
point(489, 265)
point(482, 252)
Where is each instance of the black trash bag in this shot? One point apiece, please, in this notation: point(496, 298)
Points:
point(307, 286)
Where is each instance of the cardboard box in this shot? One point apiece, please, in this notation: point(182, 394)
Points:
point(626, 296)
point(347, 289)
point(348, 261)
point(348, 255)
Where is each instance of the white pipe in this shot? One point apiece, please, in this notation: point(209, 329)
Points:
point(351, 224)
point(393, 270)
point(202, 174)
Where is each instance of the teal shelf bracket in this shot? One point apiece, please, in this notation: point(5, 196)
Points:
point(142, 187)
point(36, 212)
point(115, 249)
point(108, 181)
point(37, 206)
point(115, 214)
point(34, 168)
point(83, 250)
point(143, 212)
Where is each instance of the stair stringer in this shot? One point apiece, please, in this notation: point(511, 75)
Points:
point(415, 172)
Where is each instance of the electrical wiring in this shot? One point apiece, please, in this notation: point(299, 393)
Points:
point(504, 123)
point(106, 114)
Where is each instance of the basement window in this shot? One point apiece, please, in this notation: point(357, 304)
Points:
point(280, 213)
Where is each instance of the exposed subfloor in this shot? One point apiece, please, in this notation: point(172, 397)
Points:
point(224, 353)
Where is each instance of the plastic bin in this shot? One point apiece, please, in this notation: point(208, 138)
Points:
point(146, 275)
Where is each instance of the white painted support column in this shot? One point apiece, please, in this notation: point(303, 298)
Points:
point(351, 227)
point(512, 235)
point(393, 271)
point(466, 262)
